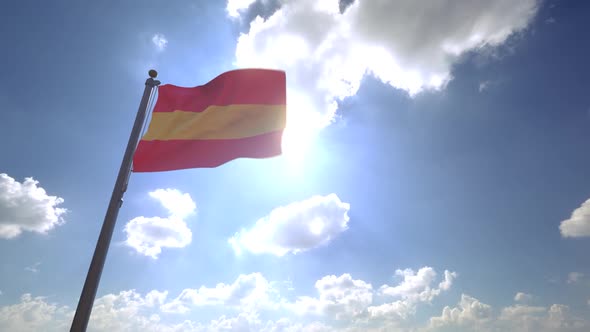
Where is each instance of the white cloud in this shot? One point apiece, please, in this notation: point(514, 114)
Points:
point(155, 298)
point(160, 41)
point(469, 312)
point(346, 299)
point(249, 290)
point(33, 268)
point(234, 7)
point(148, 235)
point(27, 207)
point(339, 297)
point(574, 277)
point(287, 325)
point(578, 224)
point(522, 314)
point(127, 311)
point(418, 286)
point(523, 297)
point(414, 288)
point(179, 205)
point(250, 304)
point(528, 318)
point(296, 227)
point(32, 314)
point(473, 315)
point(484, 85)
point(410, 45)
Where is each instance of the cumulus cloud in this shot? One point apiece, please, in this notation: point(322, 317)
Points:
point(469, 312)
point(250, 304)
point(484, 85)
point(129, 311)
point(523, 297)
point(557, 317)
point(353, 300)
point(27, 207)
point(418, 286)
point(578, 224)
point(249, 290)
point(339, 297)
point(410, 45)
point(574, 277)
point(414, 288)
point(33, 268)
point(296, 227)
point(473, 315)
point(32, 314)
point(159, 41)
point(234, 7)
point(148, 235)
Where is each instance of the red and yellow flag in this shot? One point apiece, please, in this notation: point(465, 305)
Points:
point(239, 114)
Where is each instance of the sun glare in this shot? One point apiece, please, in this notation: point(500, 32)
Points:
point(316, 227)
point(303, 124)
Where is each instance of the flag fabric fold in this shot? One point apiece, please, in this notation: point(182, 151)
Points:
point(238, 114)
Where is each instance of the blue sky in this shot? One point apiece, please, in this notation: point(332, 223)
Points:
point(431, 155)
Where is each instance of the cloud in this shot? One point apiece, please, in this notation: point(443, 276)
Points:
point(33, 268)
point(249, 290)
point(528, 318)
point(414, 288)
point(128, 311)
point(251, 304)
point(178, 204)
point(27, 207)
point(32, 314)
point(473, 315)
point(296, 227)
point(417, 286)
point(484, 85)
point(523, 297)
point(469, 312)
point(234, 7)
point(339, 297)
point(353, 300)
point(578, 224)
point(148, 235)
point(407, 44)
point(160, 41)
point(574, 277)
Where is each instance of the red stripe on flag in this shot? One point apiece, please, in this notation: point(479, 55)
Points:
point(242, 86)
point(156, 156)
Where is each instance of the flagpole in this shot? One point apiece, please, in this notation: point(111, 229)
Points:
point(86, 301)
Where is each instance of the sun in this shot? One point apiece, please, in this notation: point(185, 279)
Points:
point(303, 124)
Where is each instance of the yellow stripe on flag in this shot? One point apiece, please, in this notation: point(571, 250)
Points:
point(217, 122)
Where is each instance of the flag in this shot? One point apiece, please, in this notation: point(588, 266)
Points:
point(239, 114)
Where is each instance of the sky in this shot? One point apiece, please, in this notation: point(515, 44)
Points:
point(433, 175)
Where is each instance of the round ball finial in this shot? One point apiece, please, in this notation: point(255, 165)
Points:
point(153, 73)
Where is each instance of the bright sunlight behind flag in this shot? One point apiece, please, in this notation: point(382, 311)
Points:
point(239, 114)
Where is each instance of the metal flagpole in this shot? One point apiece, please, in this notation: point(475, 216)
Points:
point(86, 301)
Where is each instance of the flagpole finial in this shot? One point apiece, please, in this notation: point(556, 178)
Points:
point(153, 73)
